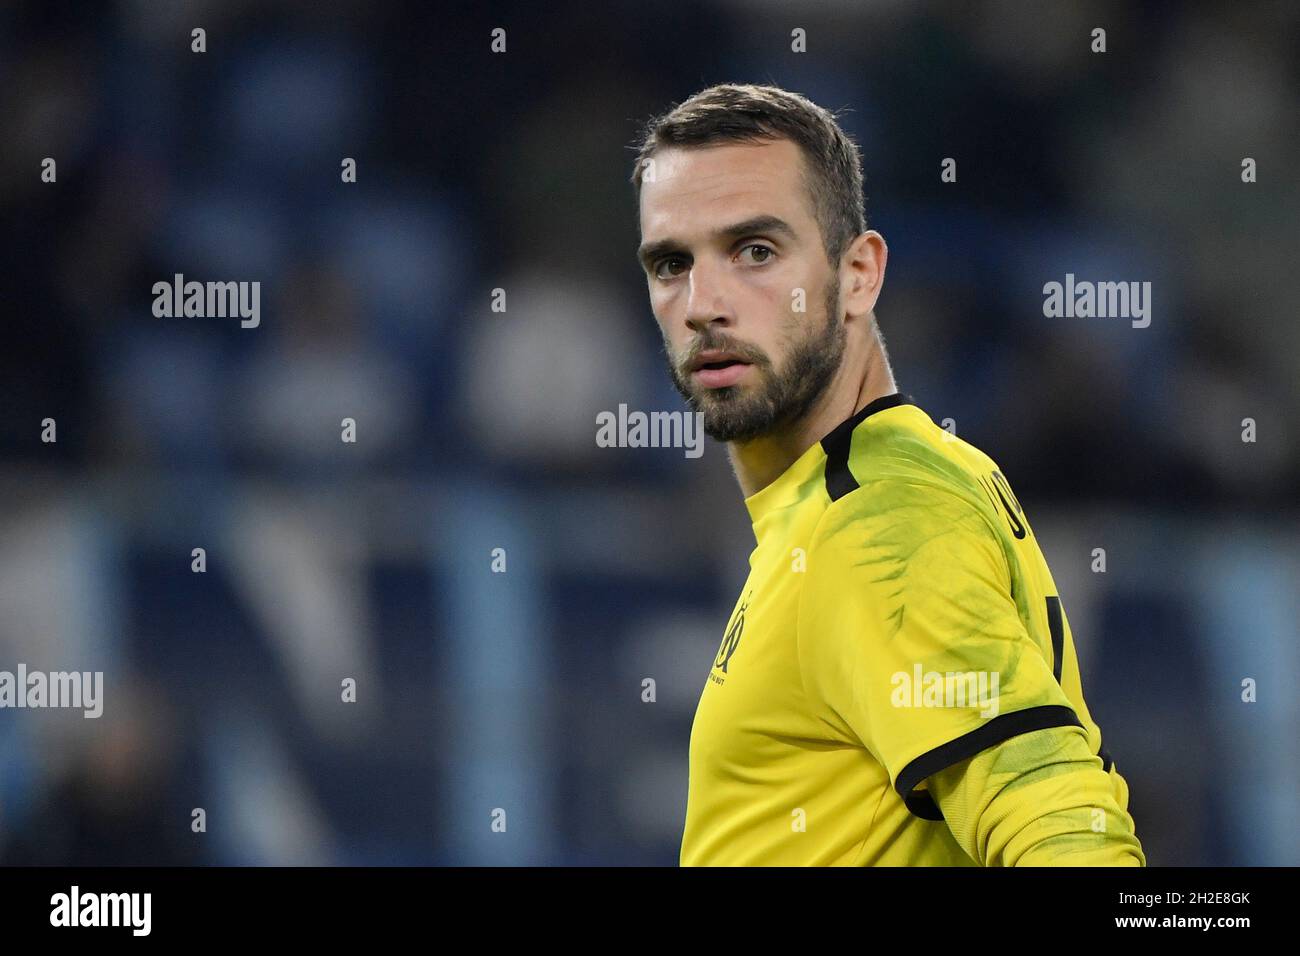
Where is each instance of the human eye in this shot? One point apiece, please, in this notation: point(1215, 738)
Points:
point(768, 251)
point(657, 267)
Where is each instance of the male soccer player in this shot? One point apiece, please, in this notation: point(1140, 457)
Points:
point(897, 683)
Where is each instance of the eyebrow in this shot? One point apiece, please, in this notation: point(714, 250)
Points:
point(650, 251)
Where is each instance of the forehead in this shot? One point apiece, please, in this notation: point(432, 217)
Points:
point(700, 187)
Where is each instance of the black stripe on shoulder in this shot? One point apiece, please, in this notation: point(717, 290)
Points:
point(839, 480)
point(994, 732)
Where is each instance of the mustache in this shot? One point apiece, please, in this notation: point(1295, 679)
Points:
point(746, 353)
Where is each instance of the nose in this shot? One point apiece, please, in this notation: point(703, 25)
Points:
point(705, 302)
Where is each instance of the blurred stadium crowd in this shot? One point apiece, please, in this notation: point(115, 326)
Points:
point(476, 428)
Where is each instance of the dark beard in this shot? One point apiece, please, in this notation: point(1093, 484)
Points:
point(730, 414)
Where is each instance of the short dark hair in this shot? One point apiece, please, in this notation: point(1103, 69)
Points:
point(746, 113)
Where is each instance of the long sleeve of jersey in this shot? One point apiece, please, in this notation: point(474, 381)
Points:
point(1039, 799)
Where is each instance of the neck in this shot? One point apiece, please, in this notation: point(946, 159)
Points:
point(859, 381)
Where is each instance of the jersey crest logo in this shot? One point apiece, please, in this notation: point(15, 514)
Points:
point(731, 640)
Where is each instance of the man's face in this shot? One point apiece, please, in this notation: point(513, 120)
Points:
point(728, 236)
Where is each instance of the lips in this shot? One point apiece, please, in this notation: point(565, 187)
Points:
point(717, 368)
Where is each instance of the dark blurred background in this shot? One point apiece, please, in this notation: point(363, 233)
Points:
point(475, 429)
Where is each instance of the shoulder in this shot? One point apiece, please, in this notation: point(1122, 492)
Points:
point(901, 487)
point(916, 505)
point(897, 467)
point(902, 520)
point(901, 443)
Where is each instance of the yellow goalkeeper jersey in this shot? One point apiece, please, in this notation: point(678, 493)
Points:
point(897, 683)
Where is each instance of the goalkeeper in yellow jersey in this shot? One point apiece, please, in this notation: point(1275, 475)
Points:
point(897, 683)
